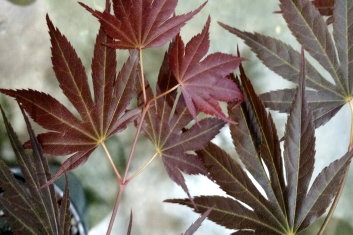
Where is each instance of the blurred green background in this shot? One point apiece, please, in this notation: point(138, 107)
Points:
point(25, 63)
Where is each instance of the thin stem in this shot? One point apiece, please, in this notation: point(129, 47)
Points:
point(142, 168)
point(124, 181)
point(174, 106)
point(142, 77)
point(116, 207)
point(132, 150)
point(339, 193)
point(351, 134)
point(143, 115)
point(111, 161)
point(164, 93)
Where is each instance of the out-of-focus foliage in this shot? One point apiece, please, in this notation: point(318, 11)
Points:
point(22, 2)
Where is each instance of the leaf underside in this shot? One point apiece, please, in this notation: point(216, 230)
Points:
point(270, 206)
point(333, 51)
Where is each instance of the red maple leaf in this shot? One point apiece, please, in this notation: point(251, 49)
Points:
point(202, 80)
point(169, 126)
point(139, 24)
point(100, 117)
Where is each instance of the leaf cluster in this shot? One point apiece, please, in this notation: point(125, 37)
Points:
point(269, 193)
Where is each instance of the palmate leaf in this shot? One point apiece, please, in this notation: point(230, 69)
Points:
point(100, 117)
point(202, 80)
point(247, 209)
point(139, 24)
point(169, 131)
point(28, 208)
point(333, 51)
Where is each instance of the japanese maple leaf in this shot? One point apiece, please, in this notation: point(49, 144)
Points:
point(202, 80)
point(258, 202)
point(142, 23)
point(170, 132)
point(100, 117)
point(333, 51)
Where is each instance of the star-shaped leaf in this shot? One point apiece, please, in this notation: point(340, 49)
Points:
point(99, 118)
point(334, 52)
point(142, 23)
point(203, 79)
point(257, 204)
point(169, 131)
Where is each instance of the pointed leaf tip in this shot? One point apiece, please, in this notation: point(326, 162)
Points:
point(202, 80)
point(159, 25)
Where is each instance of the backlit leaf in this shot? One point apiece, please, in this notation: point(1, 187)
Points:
point(203, 79)
point(173, 137)
point(139, 24)
point(99, 118)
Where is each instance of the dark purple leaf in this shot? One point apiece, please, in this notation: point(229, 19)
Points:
point(100, 117)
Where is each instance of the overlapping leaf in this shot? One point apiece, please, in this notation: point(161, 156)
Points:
point(325, 7)
point(100, 117)
point(202, 80)
point(168, 130)
point(257, 209)
point(28, 208)
point(142, 23)
point(335, 54)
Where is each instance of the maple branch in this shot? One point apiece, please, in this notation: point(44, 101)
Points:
point(142, 168)
point(111, 161)
point(132, 150)
point(339, 193)
point(124, 181)
point(116, 207)
point(142, 77)
point(164, 94)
